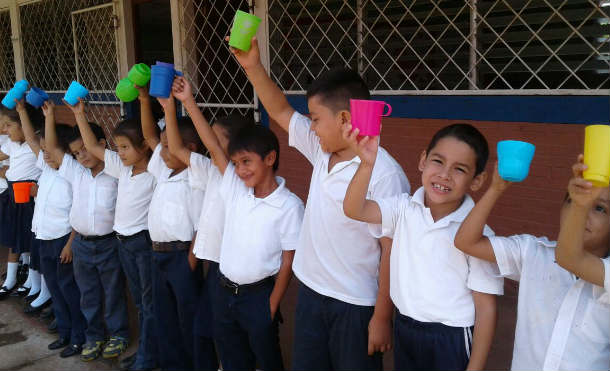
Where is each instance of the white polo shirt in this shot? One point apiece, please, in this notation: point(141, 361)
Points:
point(133, 195)
point(336, 255)
point(204, 175)
point(51, 218)
point(22, 161)
point(175, 206)
point(430, 279)
point(93, 198)
point(563, 323)
point(3, 182)
point(257, 230)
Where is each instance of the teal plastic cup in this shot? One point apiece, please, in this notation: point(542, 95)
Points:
point(139, 74)
point(125, 90)
point(244, 28)
point(74, 92)
point(514, 159)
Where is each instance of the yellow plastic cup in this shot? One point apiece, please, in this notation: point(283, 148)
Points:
point(597, 155)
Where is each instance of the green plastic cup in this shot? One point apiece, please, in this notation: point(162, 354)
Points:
point(139, 74)
point(244, 28)
point(125, 90)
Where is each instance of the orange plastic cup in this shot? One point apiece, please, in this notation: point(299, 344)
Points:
point(22, 192)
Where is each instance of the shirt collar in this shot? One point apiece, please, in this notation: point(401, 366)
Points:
point(339, 165)
point(276, 198)
point(457, 216)
point(176, 178)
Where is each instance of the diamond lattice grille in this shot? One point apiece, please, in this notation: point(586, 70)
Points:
point(7, 63)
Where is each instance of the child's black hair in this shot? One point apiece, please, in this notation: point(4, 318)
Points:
point(233, 123)
point(337, 86)
point(64, 135)
point(35, 115)
point(257, 139)
point(189, 134)
point(97, 131)
point(132, 130)
point(469, 135)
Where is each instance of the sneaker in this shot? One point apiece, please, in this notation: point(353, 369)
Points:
point(115, 347)
point(91, 351)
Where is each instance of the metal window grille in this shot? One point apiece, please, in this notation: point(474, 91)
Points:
point(7, 63)
point(219, 84)
point(444, 46)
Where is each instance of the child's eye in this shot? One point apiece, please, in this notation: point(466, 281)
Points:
point(461, 170)
point(437, 161)
point(601, 209)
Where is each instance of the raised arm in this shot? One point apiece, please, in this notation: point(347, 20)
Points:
point(268, 92)
point(469, 238)
point(50, 135)
point(148, 121)
point(89, 140)
point(484, 329)
point(28, 130)
point(355, 204)
point(182, 90)
point(570, 252)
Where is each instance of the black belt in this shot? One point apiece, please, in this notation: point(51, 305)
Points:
point(171, 246)
point(124, 238)
point(237, 289)
point(97, 238)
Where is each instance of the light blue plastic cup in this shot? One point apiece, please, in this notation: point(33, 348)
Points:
point(21, 86)
point(514, 159)
point(9, 99)
point(36, 97)
point(74, 92)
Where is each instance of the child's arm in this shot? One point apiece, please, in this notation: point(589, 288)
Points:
point(3, 170)
point(174, 140)
point(570, 252)
point(50, 136)
point(192, 259)
point(182, 90)
point(28, 130)
point(469, 238)
point(380, 325)
point(484, 329)
point(91, 144)
point(268, 92)
point(355, 204)
point(148, 121)
point(282, 280)
point(66, 253)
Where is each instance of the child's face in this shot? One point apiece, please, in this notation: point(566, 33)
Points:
point(597, 229)
point(170, 160)
point(251, 168)
point(15, 132)
point(327, 125)
point(223, 137)
point(86, 159)
point(48, 159)
point(448, 172)
point(129, 154)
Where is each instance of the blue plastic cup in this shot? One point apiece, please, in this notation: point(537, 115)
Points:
point(36, 97)
point(74, 92)
point(161, 79)
point(514, 159)
point(9, 99)
point(21, 86)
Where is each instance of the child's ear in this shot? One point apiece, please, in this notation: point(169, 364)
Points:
point(422, 160)
point(478, 181)
point(269, 160)
point(344, 117)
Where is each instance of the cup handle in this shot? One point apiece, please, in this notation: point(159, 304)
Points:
point(389, 109)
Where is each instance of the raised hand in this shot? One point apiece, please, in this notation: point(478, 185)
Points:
point(78, 108)
point(48, 108)
point(143, 92)
point(182, 89)
point(365, 147)
point(248, 59)
point(168, 104)
point(582, 192)
point(20, 105)
point(497, 183)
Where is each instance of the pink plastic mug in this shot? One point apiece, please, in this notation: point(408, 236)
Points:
point(367, 114)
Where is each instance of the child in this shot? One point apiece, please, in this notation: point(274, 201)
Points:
point(172, 219)
point(563, 322)
point(22, 168)
point(97, 268)
point(7, 235)
point(262, 222)
point(344, 313)
point(204, 175)
point(135, 190)
point(51, 224)
point(440, 293)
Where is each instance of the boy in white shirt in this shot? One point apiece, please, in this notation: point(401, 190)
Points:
point(262, 222)
point(172, 220)
point(97, 267)
point(343, 296)
point(563, 320)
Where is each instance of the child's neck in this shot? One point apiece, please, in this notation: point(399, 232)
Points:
point(266, 187)
point(439, 211)
point(599, 251)
point(140, 166)
point(340, 156)
point(97, 169)
point(177, 171)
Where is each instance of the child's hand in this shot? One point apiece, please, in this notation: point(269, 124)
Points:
point(182, 89)
point(78, 108)
point(20, 105)
point(48, 108)
point(248, 59)
point(366, 148)
point(582, 192)
point(497, 183)
point(380, 335)
point(143, 92)
point(66, 254)
point(34, 190)
point(192, 260)
point(168, 104)
point(273, 307)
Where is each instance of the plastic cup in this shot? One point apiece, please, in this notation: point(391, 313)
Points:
point(244, 28)
point(125, 90)
point(367, 114)
point(139, 74)
point(161, 79)
point(22, 192)
point(597, 155)
point(36, 97)
point(9, 99)
point(514, 159)
point(74, 92)
point(21, 86)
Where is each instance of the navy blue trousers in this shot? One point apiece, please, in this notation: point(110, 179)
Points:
point(136, 259)
point(22, 226)
point(175, 297)
point(205, 357)
point(246, 335)
point(330, 334)
point(60, 280)
point(99, 276)
point(430, 346)
point(7, 224)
